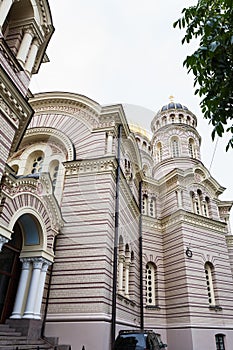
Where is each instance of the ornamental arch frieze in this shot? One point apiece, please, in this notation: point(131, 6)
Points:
point(30, 203)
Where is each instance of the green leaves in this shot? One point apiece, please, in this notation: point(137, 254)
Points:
point(212, 63)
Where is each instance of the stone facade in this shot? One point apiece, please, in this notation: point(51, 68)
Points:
point(83, 191)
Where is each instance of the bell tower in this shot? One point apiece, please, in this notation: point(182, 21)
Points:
point(25, 31)
point(175, 141)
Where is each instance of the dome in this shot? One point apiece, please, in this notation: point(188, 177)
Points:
point(173, 105)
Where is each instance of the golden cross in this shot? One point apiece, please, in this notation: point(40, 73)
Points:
point(171, 98)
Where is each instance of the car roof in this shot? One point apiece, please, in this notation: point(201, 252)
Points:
point(135, 331)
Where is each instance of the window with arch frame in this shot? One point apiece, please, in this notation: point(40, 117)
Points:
point(209, 268)
point(151, 287)
point(35, 162)
point(145, 204)
point(191, 148)
point(175, 147)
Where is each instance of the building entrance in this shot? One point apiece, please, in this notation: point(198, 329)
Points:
point(10, 267)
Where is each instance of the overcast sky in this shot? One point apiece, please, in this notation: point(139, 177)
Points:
point(127, 51)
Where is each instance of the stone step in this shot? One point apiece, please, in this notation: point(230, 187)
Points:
point(6, 328)
point(26, 347)
point(20, 341)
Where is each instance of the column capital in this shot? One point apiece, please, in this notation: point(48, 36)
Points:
point(26, 262)
point(36, 42)
point(37, 263)
point(28, 30)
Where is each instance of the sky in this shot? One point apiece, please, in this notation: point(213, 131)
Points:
point(127, 51)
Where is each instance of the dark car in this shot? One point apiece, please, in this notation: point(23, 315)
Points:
point(138, 340)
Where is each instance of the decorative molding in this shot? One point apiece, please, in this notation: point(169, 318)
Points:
point(42, 191)
point(182, 216)
point(95, 165)
point(74, 108)
point(64, 142)
point(4, 108)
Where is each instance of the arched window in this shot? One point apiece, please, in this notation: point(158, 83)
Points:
point(196, 201)
point(151, 285)
point(205, 206)
point(35, 163)
point(144, 145)
point(145, 204)
point(164, 120)
point(181, 118)
point(172, 118)
point(175, 147)
point(209, 282)
point(159, 152)
point(219, 339)
point(191, 148)
point(126, 270)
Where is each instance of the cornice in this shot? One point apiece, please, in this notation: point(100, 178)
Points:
point(150, 222)
point(95, 165)
point(182, 216)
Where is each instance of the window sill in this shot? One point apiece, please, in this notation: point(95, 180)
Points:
point(126, 300)
point(215, 308)
point(153, 307)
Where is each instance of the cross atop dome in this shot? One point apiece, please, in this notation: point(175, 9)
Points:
point(171, 98)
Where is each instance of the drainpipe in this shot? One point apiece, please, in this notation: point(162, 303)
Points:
point(115, 252)
point(48, 292)
point(141, 258)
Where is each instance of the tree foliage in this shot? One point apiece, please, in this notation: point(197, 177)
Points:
point(211, 21)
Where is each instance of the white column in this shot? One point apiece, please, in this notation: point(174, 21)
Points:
point(109, 143)
point(41, 290)
point(120, 276)
point(3, 240)
point(5, 6)
point(33, 289)
point(22, 287)
point(31, 56)
point(25, 45)
point(179, 198)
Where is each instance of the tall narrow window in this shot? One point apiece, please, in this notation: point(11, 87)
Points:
point(152, 207)
point(37, 165)
point(150, 284)
point(145, 204)
point(126, 270)
point(205, 206)
point(219, 339)
point(209, 282)
point(191, 148)
point(159, 152)
point(175, 147)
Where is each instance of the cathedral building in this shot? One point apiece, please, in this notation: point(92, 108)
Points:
point(103, 225)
